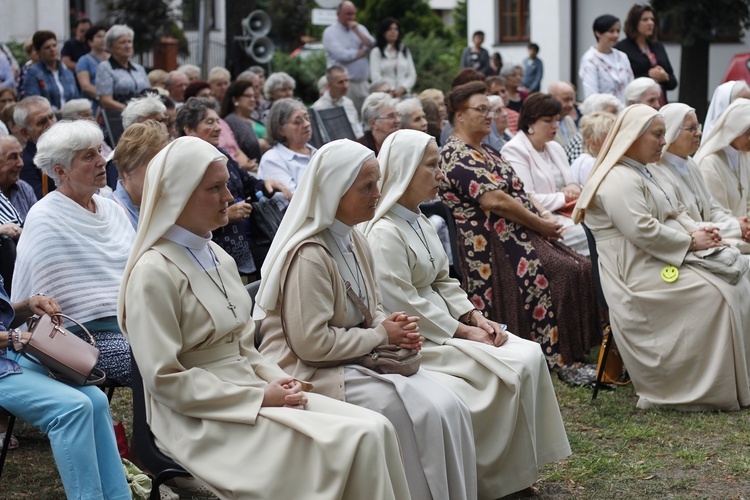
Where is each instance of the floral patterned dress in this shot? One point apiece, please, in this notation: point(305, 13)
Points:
point(543, 291)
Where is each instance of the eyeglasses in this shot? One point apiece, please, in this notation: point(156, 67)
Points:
point(300, 121)
point(249, 96)
point(693, 129)
point(391, 116)
point(483, 110)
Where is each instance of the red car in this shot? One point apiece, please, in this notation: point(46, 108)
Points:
point(739, 68)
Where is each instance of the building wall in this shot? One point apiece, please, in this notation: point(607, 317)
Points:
point(551, 29)
point(21, 18)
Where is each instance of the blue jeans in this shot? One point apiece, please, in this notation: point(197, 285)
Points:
point(79, 426)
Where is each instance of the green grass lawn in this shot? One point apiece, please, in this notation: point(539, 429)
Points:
point(618, 452)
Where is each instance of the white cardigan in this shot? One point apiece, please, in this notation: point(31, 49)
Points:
point(536, 173)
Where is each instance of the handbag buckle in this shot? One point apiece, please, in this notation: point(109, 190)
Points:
point(56, 328)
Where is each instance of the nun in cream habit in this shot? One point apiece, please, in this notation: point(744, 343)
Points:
point(502, 379)
point(215, 405)
point(683, 138)
point(683, 332)
point(314, 330)
point(724, 159)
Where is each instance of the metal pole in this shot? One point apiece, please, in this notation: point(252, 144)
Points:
point(203, 38)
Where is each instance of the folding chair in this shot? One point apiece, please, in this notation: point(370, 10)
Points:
point(608, 339)
point(113, 125)
point(438, 208)
point(148, 456)
point(252, 290)
point(335, 123)
point(317, 139)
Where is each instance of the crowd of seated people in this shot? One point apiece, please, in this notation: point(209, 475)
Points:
point(153, 244)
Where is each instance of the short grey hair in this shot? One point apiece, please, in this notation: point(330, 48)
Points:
point(62, 141)
point(115, 32)
point(247, 75)
point(508, 70)
point(258, 70)
point(171, 74)
point(494, 100)
point(371, 106)
point(405, 109)
point(635, 89)
point(278, 116)
point(374, 86)
point(335, 69)
point(218, 72)
point(141, 107)
point(191, 70)
point(24, 107)
point(73, 107)
point(192, 113)
point(276, 81)
point(5, 139)
point(599, 102)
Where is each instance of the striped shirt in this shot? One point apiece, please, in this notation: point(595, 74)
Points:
point(8, 213)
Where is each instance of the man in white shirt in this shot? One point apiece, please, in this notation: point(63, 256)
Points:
point(335, 96)
point(347, 43)
point(566, 94)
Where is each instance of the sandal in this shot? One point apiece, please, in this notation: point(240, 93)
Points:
point(13, 441)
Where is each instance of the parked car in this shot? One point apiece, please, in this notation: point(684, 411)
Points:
point(739, 68)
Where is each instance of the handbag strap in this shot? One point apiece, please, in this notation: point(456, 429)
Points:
point(360, 304)
point(85, 330)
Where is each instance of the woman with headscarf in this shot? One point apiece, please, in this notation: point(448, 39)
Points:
point(683, 138)
point(723, 96)
point(724, 160)
point(321, 309)
point(683, 333)
point(504, 383)
point(215, 405)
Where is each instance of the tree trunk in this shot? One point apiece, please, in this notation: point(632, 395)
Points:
point(694, 77)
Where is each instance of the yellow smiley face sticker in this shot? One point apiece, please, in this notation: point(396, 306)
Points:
point(670, 274)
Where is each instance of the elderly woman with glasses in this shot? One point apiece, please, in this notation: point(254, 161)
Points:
point(542, 165)
point(683, 137)
point(682, 326)
point(514, 269)
point(236, 110)
point(502, 379)
point(217, 407)
point(119, 79)
point(277, 86)
point(289, 131)
point(197, 118)
point(380, 118)
point(75, 243)
point(321, 308)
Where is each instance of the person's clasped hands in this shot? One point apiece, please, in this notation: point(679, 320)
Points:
point(403, 331)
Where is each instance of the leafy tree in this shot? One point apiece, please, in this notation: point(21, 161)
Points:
point(305, 70)
point(699, 21)
point(149, 20)
point(414, 16)
point(290, 20)
point(461, 20)
point(436, 60)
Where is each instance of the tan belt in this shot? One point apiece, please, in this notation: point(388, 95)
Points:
point(209, 355)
